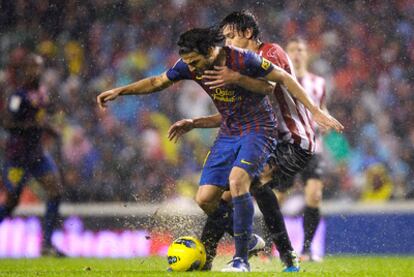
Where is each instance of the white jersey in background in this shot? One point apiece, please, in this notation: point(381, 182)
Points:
point(315, 86)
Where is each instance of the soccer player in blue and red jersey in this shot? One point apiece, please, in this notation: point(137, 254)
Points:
point(247, 131)
point(295, 138)
point(25, 119)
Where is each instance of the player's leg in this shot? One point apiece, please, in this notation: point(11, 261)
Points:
point(217, 224)
point(256, 243)
point(253, 150)
point(208, 197)
point(273, 218)
point(14, 178)
point(239, 181)
point(311, 216)
point(286, 160)
point(313, 198)
point(46, 173)
point(213, 182)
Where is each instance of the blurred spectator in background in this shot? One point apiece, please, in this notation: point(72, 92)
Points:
point(378, 185)
point(363, 48)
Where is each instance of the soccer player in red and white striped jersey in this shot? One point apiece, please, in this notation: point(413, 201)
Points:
point(315, 86)
point(295, 123)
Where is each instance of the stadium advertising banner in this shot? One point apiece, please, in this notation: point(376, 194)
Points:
point(21, 237)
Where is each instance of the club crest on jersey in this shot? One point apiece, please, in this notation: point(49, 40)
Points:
point(272, 52)
point(265, 64)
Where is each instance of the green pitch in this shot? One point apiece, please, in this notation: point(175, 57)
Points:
point(332, 266)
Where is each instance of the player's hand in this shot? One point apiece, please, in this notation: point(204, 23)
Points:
point(220, 76)
point(326, 121)
point(106, 96)
point(179, 128)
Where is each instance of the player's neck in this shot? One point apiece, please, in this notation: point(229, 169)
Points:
point(301, 71)
point(254, 45)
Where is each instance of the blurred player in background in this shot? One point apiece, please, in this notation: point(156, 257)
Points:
point(25, 119)
point(295, 134)
point(246, 133)
point(311, 175)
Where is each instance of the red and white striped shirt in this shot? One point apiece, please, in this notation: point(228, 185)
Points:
point(295, 124)
point(315, 86)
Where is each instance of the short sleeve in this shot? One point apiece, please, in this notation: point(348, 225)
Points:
point(255, 65)
point(179, 71)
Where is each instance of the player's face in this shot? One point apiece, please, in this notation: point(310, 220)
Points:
point(298, 53)
point(196, 62)
point(236, 38)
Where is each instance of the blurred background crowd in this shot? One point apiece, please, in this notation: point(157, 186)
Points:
point(365, 50)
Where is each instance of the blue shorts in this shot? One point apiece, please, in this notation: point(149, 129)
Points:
point(249, 152)
point(16, 174)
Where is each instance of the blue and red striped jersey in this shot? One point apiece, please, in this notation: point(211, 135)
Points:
point(243, 111)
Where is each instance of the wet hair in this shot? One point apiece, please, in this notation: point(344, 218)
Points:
point(199, 40)
point(241, 21)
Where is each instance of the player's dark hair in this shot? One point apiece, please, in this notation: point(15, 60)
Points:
point(241, 21)
point(199, 40)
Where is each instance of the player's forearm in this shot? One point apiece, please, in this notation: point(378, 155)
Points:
point(255, 85)
point(144, 86)
point(212, 121)
point(299, 93)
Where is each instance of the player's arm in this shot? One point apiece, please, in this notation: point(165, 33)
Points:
point(222, 75)
point(211, 121)
point(144, 86)
point(324, 106)
point(279, 75)
point(183, 126)
point(293, 87)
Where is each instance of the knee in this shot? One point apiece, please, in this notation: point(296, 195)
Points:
point(205, 204)
point(238, 187)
